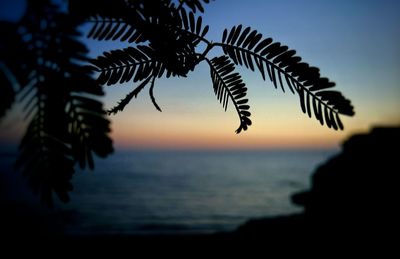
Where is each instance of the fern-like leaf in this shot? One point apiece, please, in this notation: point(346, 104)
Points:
point(247, 47)
point(120, 66)
point(104, 28)
point(67, 124)
point(229, 86)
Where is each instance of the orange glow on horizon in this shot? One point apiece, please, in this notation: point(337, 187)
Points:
point(154, 139)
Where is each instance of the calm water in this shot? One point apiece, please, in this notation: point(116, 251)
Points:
point(151, 192)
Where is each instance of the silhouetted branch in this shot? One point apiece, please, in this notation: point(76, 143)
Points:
point(121, 105)
point(151, 93)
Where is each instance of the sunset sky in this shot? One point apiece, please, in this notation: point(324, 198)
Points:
point(354, 43)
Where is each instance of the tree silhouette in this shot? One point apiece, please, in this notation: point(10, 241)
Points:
point(44, 62)
point(42, 55)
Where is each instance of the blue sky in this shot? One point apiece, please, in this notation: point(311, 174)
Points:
point(354, 43)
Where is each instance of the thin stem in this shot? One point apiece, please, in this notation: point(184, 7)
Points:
point(109, 20)
point(181, 2)
point(124, 66)
point(151, 93)
point(195, 35)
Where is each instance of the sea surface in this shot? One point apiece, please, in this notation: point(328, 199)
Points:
point(156, 192)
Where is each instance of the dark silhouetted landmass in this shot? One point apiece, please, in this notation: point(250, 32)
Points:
point(353, 198)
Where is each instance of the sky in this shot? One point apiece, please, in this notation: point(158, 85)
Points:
point(354, 43)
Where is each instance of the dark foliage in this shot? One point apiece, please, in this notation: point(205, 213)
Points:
point(180, 28)
point(67, 125)
point(229, 86)
point(41, 60)
point(7, 93)
point(248, 48)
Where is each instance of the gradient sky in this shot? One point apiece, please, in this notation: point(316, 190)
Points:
point(355, 43)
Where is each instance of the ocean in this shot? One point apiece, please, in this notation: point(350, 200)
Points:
point(182, 192)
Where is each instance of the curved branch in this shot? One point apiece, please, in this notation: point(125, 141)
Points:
point(151, 93)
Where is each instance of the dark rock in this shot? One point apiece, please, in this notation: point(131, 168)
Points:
point(357, 188)
point(353, 198)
